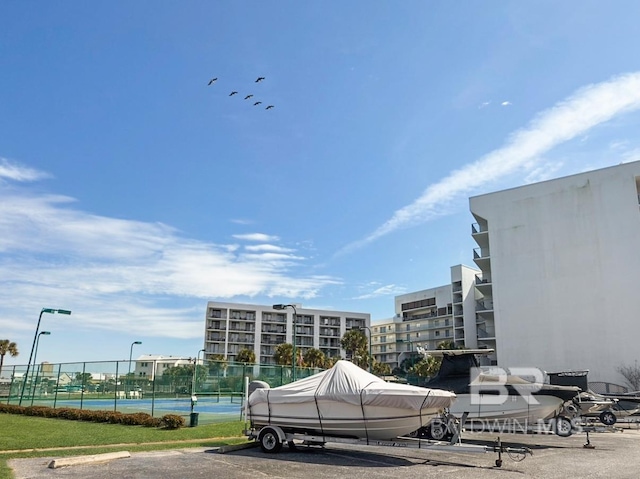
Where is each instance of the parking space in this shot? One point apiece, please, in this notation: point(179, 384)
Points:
point(616, 455)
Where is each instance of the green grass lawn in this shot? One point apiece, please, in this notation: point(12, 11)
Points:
point(32, 434)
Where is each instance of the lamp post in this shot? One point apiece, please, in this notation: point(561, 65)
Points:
point(130, 354)
point(370, 339)
point(33, 346)
point(35, 354)
point(295, 315)
point(35, 362)
point(195, 376)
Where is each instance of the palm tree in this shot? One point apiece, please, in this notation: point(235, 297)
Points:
point(355, 343)
point(7, 347)
point(284, 354)
point(381, 369)
point(246, 356)
point(314, 358)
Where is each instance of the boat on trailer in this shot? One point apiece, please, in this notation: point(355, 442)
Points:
point(346, 401)
point(498, 401)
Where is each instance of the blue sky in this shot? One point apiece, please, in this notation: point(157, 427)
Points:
point(132, 192)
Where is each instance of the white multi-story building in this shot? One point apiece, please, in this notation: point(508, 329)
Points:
point(429, 317)
point(232, 327)
point(150, 366)
point(560, 280)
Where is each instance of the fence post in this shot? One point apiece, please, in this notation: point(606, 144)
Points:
point(84, 368)
point(153, 388)
point(55, 398)
point(115, 390)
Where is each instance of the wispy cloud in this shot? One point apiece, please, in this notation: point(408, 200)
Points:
point(10, 170)
point(583, 110)
point(129, 275)
point(388, 290)
point(506, 103)
point(256, 237)
point(267, 247)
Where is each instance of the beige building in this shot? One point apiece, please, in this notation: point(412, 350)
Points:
point(232, 327)
point(428, 317)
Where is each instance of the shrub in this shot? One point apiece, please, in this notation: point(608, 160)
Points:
point(172, 421)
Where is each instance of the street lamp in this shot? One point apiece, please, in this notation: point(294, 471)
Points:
point(35, 354)
point(295, 315)
point(360, 328)
point(33, 345)
point(131, 353)
point(195, 368)
point(35, 362)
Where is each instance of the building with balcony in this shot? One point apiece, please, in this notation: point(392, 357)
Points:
point(232, 327)
point(560, 264)
point(429, 317)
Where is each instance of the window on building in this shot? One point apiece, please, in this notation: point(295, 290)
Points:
point(437, 333)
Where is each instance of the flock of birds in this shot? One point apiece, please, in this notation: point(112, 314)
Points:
point(249, 96)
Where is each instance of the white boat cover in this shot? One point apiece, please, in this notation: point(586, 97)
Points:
point(346, 382)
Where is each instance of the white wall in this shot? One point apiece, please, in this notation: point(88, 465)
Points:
point(565, 264)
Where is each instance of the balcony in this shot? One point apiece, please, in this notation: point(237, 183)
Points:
point(485, 305)
point(476, 228)
point(482, 258)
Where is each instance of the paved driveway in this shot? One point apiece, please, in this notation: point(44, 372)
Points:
point(616, 455)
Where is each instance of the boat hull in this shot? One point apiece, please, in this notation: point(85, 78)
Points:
point(333, 418)
point(515, 408)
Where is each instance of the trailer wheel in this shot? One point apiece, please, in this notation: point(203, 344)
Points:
point(269, 440)
point(608, 418)
point(438, 430)
point(562, 426)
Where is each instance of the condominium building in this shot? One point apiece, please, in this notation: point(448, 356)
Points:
point(150, 366)
point(560, 265)
point(429, 317)
point(232, 327)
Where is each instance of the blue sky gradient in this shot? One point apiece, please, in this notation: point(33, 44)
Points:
point(132, 192)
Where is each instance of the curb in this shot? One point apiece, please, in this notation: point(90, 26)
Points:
point(236, 447)
point(95, 458)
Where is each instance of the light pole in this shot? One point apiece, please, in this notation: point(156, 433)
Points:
point(35, 362)
point(195, 376)
point(33, 346)
point(35, 354)
point(295, 315)
point(130, 354)
point(370, 339)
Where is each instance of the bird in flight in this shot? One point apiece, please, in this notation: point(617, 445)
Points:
point(247, 97)
point(233, 93)
point(257, 103)
point(259, 79)
point(212, 81)
point(269, 107)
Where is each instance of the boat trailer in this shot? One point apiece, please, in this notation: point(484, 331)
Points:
point(272, 438)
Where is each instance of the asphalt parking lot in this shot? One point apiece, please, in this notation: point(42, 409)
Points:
point(615, 455)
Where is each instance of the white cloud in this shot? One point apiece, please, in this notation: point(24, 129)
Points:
point(388, 290)
point(484, 104)
point(585, 109)
point(267, 247)
point(256, 237)
point(506, 103)
point(129, 275)
point(10, 170)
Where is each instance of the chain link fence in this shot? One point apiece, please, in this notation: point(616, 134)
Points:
point(213, 389)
